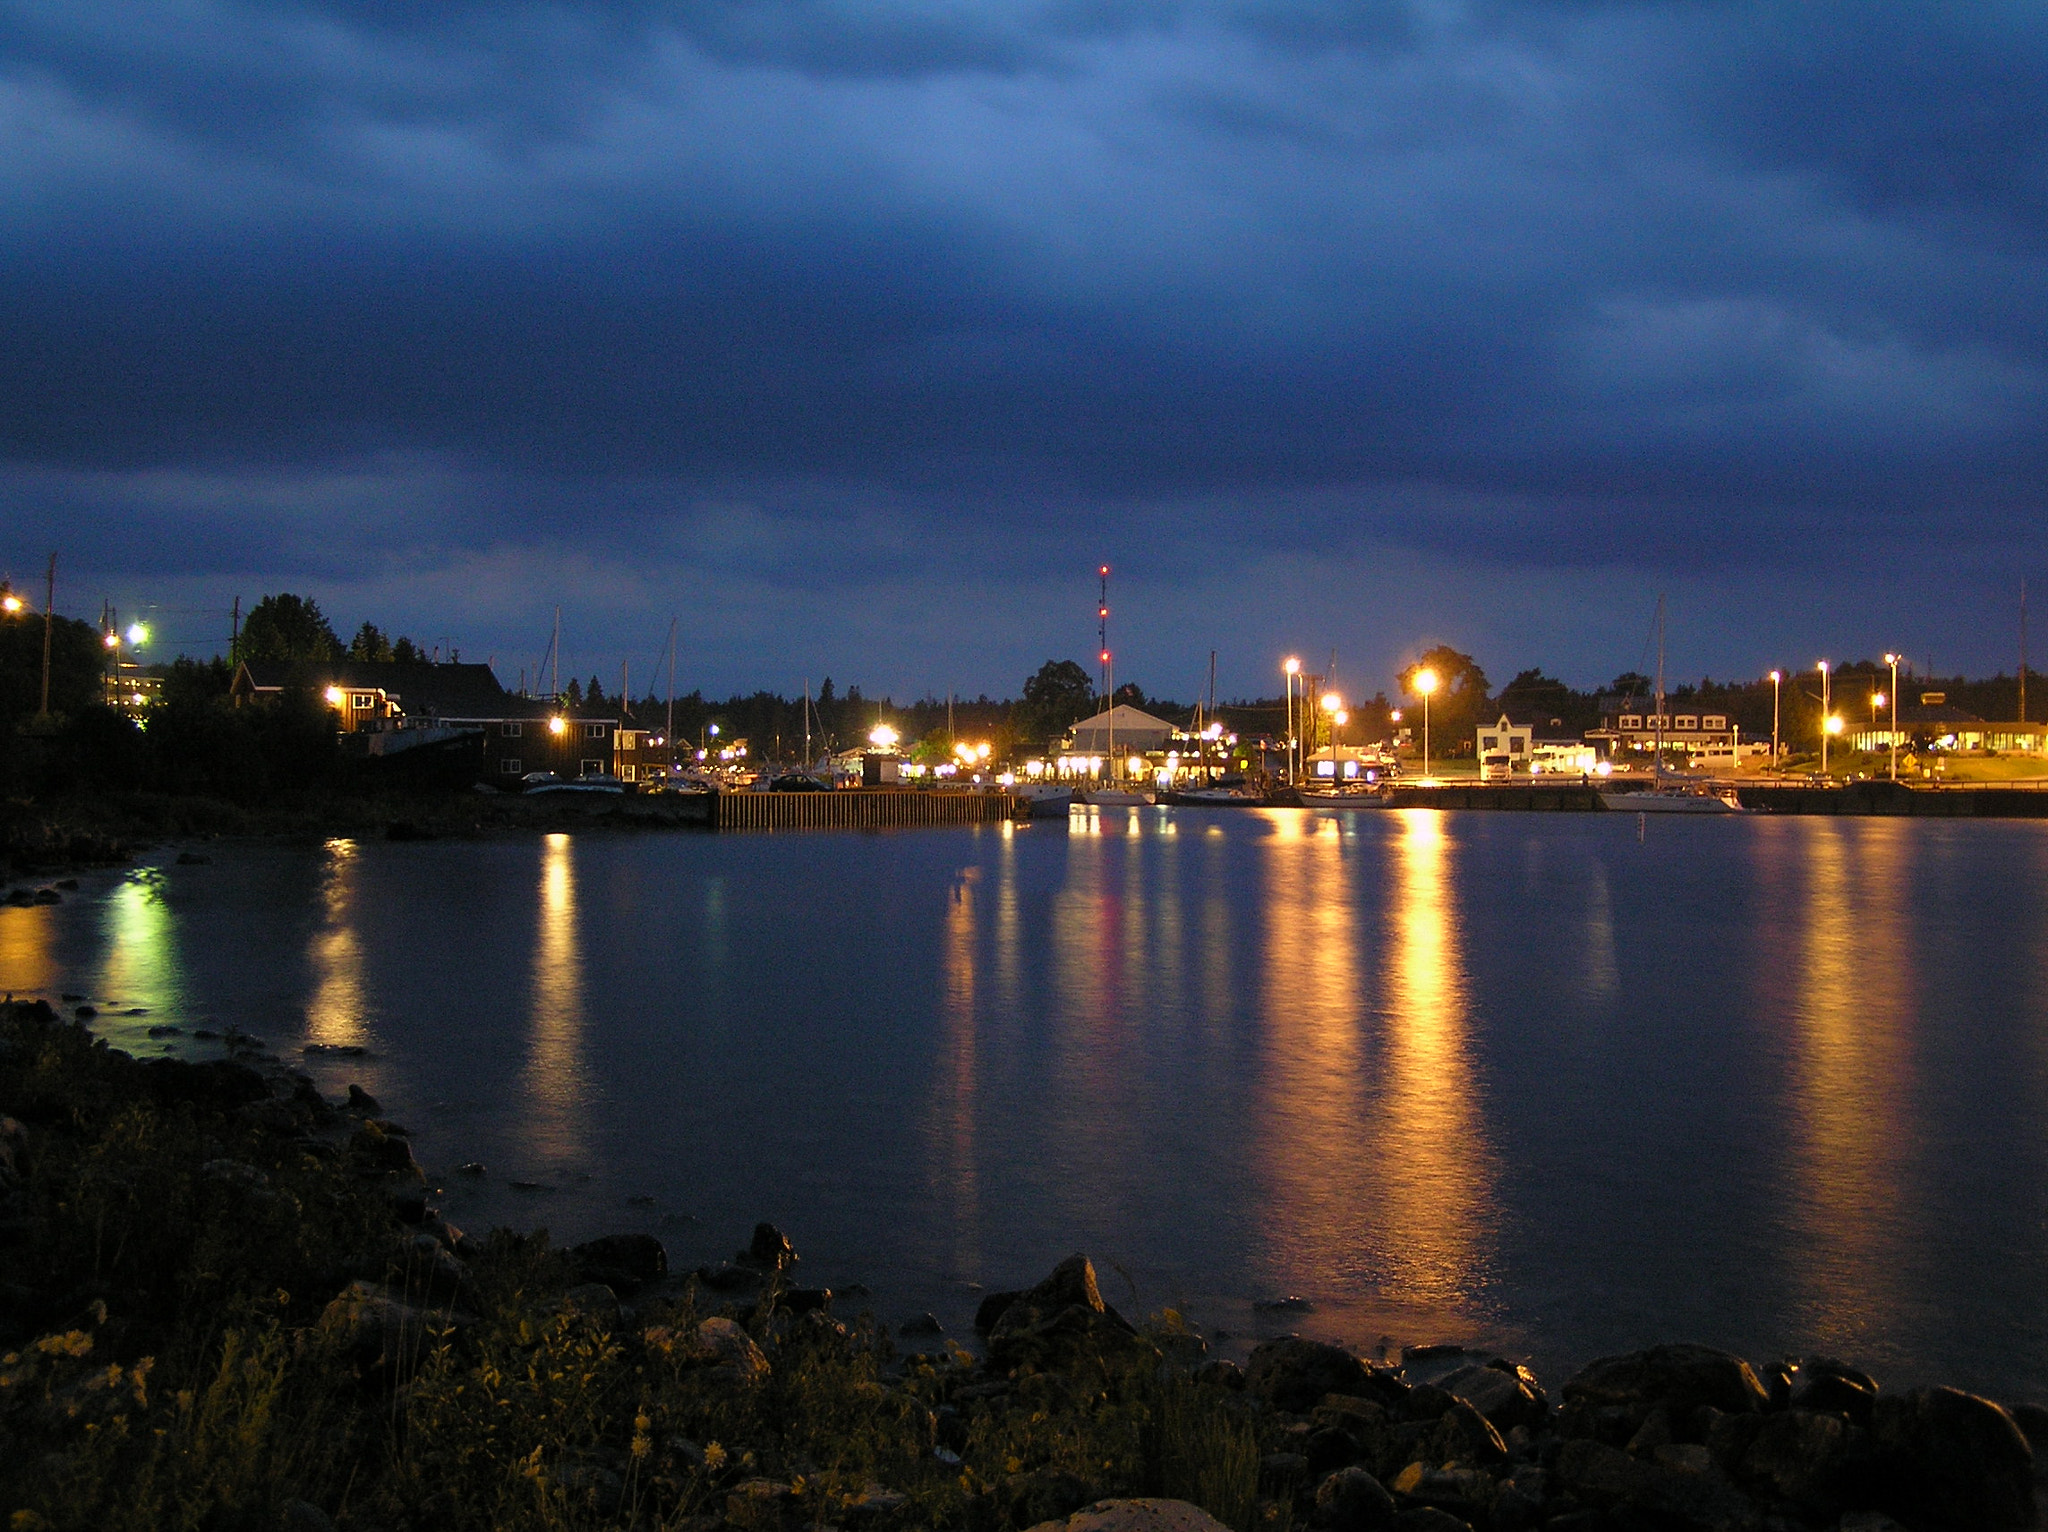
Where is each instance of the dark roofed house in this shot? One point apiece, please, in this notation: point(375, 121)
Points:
point(396, 707)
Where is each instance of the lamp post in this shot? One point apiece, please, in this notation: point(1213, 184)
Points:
point(1333, 704)
point(1825, 715)
point(1425, 683)
point(1777, 676)
point(1893, 661)
point(1292, 669)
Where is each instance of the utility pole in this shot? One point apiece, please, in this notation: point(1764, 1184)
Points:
point(235, 635)
point(670, 736)
point(555, 649)
point(49, 615)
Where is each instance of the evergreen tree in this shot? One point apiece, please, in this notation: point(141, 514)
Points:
point(288, 627)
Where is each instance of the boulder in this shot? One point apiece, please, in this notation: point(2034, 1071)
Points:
point(621, 1261)
point(1682, 1378)
point(378, 1328)
point(1352, 1500)
point(1508, 1399)
point(1663, 1495)
point(1136, 1516)
point(594, 1301)
point(1948, 1459)
point(769, 1250)
point(1062, 1314)
point(1802, 1456)
point(1294, 1374)
point(378, 1153)
point(990, 1309)
point(1821, 1383)
point(737, 1359)
point(1463, 1435)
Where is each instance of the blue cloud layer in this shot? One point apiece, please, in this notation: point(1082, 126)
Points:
point(1678, 288)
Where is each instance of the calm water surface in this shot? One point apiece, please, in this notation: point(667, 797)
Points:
point(1778, 1084)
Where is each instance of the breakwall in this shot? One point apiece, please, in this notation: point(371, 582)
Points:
point(868, 808)
point(1896, 798)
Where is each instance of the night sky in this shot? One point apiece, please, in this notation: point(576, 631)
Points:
point(857, 332)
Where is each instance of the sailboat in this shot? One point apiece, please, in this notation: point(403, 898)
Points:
point(1666, 797)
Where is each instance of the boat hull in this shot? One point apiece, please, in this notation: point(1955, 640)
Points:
point(1669, 803)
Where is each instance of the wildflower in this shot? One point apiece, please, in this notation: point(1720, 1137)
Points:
point(714, 1457)
point(70, 1343)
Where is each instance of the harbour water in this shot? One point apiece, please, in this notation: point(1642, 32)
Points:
point(1561, 1084)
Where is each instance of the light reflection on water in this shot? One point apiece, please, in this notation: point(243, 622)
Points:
point(1776, 1084)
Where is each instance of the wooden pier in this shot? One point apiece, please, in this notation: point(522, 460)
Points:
point(866, 808)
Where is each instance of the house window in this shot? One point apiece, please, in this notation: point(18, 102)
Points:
point(628, 773)
point(593, 731)
point(511, 730)
point(365, 699)
point(1687, 721)
point(1714, 720)
point(593, 768)
point(508, 765)
point(1631, 720)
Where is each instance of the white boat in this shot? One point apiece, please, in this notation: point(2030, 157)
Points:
point(1113, 798)
point(1344, 798)
point(1663, 797)
point(1048, 800)
point(1675, 800)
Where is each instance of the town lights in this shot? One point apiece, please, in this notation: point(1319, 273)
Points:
point(1777, 676)
point(1827, 715)
point(10, 604)
point(334, 696)
point(558, 725)
point(881, 736)
point(138, 635)
point(112, 640)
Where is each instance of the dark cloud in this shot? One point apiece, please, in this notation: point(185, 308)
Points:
point(292, 289)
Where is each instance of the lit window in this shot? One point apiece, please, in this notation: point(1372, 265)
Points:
point(365, 700)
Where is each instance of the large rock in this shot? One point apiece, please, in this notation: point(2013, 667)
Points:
point(1681, 1378)
point(1352, 1500)
point(378, 1328)
point(1294, 1374)
point(1804, 1456)
point(622, 1262)
point(1508, 1399)
point(1686, 1496)
point(1824, 1384)
point(1059, 1316)
point(738, 1359)
point(1950, 1459)
point(1136, 1516)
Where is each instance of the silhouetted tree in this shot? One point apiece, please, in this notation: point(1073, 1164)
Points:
point(1057, 694)
point(369, 644)
point(288, 627)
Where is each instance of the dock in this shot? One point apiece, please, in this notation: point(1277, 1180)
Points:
point(864, 808)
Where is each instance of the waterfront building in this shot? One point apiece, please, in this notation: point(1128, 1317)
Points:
point(1937, 724)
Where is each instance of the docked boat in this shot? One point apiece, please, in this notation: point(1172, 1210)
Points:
point(1113, 798)
point(1345, 798)
point(1048, 800)
point(1214, 797)
point(1666, 799)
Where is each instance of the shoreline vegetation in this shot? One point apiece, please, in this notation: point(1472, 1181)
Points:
point(227, 1302)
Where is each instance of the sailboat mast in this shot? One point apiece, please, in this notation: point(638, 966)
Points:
point(807, 723)
point(1209, 717)
point(1657, 769)
point(555, 650)
point(671, 734)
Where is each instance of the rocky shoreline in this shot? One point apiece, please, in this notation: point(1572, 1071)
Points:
point(228, 1301)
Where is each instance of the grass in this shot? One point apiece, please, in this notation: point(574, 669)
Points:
point(169, 1253)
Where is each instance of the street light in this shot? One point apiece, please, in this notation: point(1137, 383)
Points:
point(1425, 683)
point(1293, 669)
point(1827, 717)
point(138, 635)
point(881, 736)
point(10, 604)
point(1776, 677)
point(1893, 661)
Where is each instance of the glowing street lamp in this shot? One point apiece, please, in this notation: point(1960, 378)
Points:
point(138, 635)
point(335, 696)
point(1293, 669)
point(1827, 716)
point(1425, 683)
point(558, 725)
point(11, 604)
point(881, 736)
point(1893, 661)
point(1776, 677)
